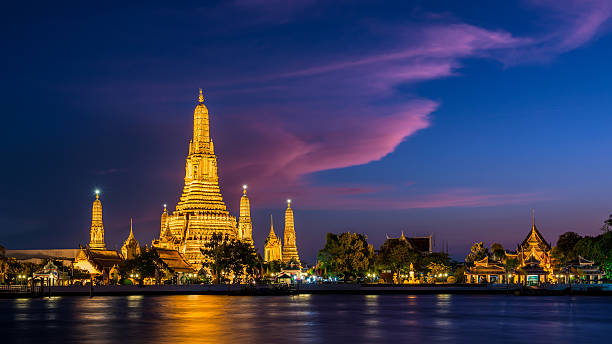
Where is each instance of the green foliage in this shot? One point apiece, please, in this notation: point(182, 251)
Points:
point(145, 266)
point(599, 248)
point(607, 224)
point(346, 255)
point(564, 250)
point(511, 264)
point(459, 273)
point(436, 269)
point(497, 252)
point(477, 252)
point(225, 257)
point(397, 255)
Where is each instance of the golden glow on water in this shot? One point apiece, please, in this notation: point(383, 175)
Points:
point(303, 319)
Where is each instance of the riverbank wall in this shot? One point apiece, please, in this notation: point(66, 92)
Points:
point(340, 288)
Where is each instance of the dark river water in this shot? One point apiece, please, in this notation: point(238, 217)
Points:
point(308, 318)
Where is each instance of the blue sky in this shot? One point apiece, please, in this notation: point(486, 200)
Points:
point(424, 116)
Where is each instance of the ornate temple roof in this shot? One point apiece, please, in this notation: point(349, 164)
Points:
point(100, 258)
point(173, 260)
point(535, 237)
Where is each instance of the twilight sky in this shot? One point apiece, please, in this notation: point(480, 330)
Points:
point(416, 116)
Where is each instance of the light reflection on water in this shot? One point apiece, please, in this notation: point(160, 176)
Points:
point(306, 318)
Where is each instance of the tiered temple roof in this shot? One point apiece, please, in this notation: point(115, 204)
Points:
point(200, 211)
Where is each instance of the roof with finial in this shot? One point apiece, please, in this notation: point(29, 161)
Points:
point(201, 97)
point(131, 236)
point(272, 234)
point(535, 236)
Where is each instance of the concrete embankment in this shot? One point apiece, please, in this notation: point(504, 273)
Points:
point(340, 288)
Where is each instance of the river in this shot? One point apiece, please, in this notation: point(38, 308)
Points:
point(307, 319)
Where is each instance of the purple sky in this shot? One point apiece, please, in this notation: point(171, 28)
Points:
point(422, 117)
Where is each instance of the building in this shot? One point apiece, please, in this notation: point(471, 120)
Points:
point(581, 270)
point(486, 271)
point(200, 211)
point(96, 232)
point(245, 226)
point(273, 247)
point(96, 259)
point(131, 247)
point(290, 252)
point(419, 244)
point(97, 262)
point(535, 263)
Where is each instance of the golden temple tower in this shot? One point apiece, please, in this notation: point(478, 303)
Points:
point(96, 232)
point(200, 211)
point(131, 247)
point(273, 247)
point(289, 245)
point(245, 226)
point(164, 222)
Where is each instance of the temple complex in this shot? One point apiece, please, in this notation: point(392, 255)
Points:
point(245, 226)
point(534, 258)
point(289, 245)
point(96, 232)
point(200, 211)
point(131, 247)
point(273, 247)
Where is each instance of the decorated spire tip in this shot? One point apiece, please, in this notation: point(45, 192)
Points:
point(165, 205)
point(131, 234)
point(244, 188)
point(201, 97)
point(289, 201)
point(97, 193)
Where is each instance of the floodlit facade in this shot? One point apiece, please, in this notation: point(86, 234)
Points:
point(273, 248)
point(290, 251)
point(201, 211)
point(96, 232)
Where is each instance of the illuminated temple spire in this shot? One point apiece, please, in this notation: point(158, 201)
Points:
point(97, 227)
point(201, 191)
point(289, 245)
point(200, 212)
point(273, 246)
point(131, 247)
point(245, 226)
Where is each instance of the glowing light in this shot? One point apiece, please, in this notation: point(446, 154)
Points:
point(244, 186)
point(289, 201)
point(97, 192)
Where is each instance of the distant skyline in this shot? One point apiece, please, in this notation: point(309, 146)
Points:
point(428, 117)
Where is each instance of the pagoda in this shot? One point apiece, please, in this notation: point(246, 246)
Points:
point(289, 245)
point(96, 232)
point(273, 247)
point(245, 226)
point(200, 211)
point(131, 247)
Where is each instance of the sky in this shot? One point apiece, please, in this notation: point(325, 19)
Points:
point(429, 117)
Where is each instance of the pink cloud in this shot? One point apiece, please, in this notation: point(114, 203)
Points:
point(336, 125)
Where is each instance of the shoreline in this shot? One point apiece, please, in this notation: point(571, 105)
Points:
point(312, 289)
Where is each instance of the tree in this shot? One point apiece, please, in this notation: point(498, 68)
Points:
point(348, 255)
point(497, 252)
point(224, 256)
point(607, 224)
point(437, 269)
point(144, 265)
point(459, 274)
point(477, 252)
point(397, 255)
point(564, 250)
point(511, 264)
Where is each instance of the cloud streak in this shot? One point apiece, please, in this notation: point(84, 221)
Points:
point(352, 129)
